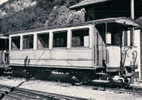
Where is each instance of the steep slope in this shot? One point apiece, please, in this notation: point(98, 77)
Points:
point(26, 14)
point(12, 6)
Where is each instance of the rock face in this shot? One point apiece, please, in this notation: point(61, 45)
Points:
point(19, 15)
point(9, 8)
point(63, 16)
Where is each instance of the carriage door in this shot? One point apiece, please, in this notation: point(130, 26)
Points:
point(108, 40)
point(113, 42)
point(100, 50)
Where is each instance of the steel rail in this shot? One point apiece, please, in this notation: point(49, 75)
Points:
point(26, 94)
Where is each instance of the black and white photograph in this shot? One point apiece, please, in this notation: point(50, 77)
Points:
point(70, 49)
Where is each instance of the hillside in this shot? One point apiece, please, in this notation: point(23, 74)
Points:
point(16, 15)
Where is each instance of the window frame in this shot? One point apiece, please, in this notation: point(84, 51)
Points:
point(32, 41)
point(43, 33)
point(77, 29)
point(11, 43)
point(58, 32)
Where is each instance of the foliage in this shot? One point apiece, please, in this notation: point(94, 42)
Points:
point(62, 16)
point(26, 14)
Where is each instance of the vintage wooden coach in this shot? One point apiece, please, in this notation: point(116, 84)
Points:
point(86, 47)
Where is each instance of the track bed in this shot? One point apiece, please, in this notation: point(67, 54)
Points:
point(15, 93)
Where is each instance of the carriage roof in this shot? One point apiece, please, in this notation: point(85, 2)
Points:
point(127, 22)
point(87, 2)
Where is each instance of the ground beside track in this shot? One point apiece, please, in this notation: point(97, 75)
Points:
point(77, 91)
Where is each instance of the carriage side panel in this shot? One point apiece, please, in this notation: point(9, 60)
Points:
point(63, 57)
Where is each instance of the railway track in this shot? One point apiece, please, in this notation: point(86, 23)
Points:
point(15, 93)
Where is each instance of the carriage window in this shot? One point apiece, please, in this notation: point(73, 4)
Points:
point(15, 43)
point(110, 33)
point(113, 38)
point(60, 39)
point(43, 41)
point(80, 38)
point(116, 38)
point(28, 42)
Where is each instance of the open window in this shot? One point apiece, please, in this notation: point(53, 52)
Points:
point(80, 38)
point(116, 38)
point(15, 43)
point(28, 42)
point(43, 40)
point(60, 39)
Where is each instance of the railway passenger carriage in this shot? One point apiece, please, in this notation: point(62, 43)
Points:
point(85, 48)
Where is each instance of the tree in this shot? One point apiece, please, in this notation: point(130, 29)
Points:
point(18, 16)
point(63, 16)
